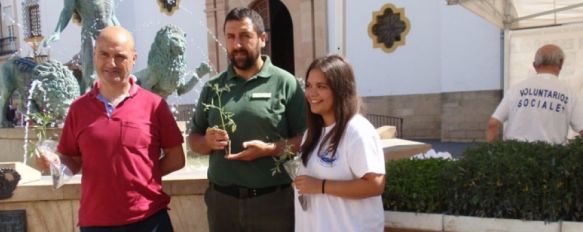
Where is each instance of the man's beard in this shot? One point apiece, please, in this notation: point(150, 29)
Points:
point(247, 63)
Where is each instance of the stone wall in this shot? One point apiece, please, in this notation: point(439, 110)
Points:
point(465, 114)
point(56, 210)
point(421, 113)
point(454, 116)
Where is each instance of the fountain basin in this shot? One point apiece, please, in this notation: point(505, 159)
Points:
point(12, 143)
point(56, 210)
point(27, 173)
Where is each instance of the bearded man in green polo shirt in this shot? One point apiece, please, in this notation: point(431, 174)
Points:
point(268, 107)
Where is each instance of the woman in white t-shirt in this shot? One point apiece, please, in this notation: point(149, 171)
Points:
point(342, 176)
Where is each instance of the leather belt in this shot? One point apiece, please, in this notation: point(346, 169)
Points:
point(241, 192)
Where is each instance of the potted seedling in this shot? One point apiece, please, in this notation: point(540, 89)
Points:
point(226, 118)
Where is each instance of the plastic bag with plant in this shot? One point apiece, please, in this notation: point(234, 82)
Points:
point(291, 163)
point(60, 173)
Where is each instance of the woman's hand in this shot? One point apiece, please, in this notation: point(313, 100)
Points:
point(308, 185)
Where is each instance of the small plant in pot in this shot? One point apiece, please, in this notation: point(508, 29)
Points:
point(226, 118)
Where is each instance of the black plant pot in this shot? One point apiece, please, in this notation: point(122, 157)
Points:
point(8, 180)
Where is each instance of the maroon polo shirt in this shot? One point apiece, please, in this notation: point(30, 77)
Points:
point(121, 181)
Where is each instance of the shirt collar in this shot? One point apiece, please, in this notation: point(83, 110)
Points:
point(263, 72)
point(547, 76)
point(133, 87)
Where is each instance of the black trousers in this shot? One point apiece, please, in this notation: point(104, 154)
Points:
point(158, 222)
point(269, 212)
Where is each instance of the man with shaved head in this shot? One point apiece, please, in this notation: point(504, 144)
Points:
point(116, 133)
point(542, 107)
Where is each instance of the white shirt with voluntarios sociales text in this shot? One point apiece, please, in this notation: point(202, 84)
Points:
point(540, 108)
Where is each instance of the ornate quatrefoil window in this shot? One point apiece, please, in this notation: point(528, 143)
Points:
point(168, 7)
point(388, 28)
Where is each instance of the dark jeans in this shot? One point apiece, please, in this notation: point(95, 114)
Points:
point(269, 212)
point(158, 222)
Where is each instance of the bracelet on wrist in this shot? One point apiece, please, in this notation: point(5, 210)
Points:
point(324, 186)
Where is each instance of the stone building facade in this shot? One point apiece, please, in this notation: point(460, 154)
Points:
point(448, 116)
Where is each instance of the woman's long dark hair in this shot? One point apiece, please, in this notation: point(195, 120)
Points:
point(340, 78)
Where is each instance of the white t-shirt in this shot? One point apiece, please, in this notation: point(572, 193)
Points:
point(540, 108)
point(359, 152)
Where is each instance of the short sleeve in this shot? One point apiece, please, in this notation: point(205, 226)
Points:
point(577, 115)
point(199, 119)
point(366, 152)
point(296, 109)
point(170, 134)
point(502, 111)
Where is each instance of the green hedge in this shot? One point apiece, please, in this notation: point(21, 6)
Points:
point(509, 179)
point(416, 185)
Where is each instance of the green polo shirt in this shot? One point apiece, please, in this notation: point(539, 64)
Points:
point(270, 106)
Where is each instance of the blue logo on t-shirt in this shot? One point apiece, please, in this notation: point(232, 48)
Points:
point(326, 157)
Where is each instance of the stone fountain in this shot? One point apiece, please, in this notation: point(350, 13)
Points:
point(166, 72)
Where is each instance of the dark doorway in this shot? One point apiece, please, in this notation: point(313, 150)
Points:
point(279, 28)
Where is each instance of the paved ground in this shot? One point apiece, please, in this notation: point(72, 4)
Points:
point(388, 229)
point(456, 149)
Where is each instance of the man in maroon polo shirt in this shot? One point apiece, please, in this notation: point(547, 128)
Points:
point(115, 133)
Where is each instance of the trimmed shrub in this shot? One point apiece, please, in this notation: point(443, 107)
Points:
point(572, 173)
point(416, 185)
point(508, 179)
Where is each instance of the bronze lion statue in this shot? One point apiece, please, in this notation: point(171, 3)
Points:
point(167, 64)
point(55, 87)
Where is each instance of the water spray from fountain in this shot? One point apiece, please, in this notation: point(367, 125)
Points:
point(33, 86)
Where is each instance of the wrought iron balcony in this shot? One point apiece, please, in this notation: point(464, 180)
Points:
point(378, 120)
